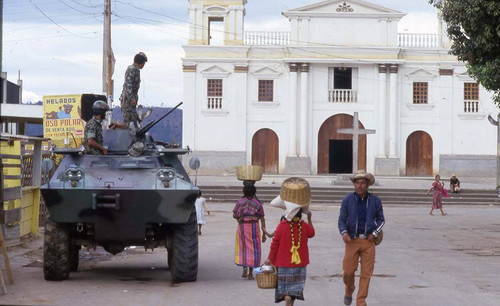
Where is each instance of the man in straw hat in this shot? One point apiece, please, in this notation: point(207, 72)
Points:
point(360, 221)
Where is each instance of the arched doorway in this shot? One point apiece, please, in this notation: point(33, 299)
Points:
point(419, 154)
point(335, 150)
point(265, 150)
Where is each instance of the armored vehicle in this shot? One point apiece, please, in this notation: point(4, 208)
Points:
point(137, 195)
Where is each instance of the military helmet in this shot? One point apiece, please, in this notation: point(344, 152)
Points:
point(100, 105)
point(100, 108)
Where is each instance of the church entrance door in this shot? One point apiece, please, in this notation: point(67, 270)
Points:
point(335, 149)
point(419, 154)
point(265, 150)
point(340, 160)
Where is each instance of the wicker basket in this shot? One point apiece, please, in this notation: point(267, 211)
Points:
point(249, 173)
point(267, 280)
point(296, 190)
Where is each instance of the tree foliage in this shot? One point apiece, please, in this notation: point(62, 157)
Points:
point(474, 29)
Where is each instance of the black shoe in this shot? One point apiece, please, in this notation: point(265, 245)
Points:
point(347, 300)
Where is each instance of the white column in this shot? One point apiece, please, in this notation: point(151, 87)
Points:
point(240, 23)
point(393, 79)
point(189, 108)
point(304, 77)
point(292, 149)
point(382, 100)
point(230, 26)
point(192, 27)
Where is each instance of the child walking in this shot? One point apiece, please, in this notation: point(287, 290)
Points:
point(201, 206)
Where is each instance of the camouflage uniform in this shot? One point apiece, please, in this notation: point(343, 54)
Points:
point(130, 88)
point(93, 129)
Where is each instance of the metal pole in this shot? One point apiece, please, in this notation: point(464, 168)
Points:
point(110, 85)
point(498, 152)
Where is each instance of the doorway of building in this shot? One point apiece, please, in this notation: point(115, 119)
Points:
point(265, 150)
point(340, 160)
point(327, 161)
point(419, 154)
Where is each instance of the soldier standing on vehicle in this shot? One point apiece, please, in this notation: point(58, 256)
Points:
point(93, 140)
point(131, 84)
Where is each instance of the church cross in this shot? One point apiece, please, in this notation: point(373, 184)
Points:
point(355, 132)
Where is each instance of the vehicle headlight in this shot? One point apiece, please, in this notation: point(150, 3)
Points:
point(166, 174)
point(74, 174)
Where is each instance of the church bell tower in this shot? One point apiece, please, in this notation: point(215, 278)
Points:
point(216, 22)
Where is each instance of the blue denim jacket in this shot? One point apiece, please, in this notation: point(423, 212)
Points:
point(348, 218)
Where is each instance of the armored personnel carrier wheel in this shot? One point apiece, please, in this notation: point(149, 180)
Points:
point(183, 262)
point(56, 252)
point(74, 257)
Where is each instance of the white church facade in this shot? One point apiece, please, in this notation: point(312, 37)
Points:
point(278, 99)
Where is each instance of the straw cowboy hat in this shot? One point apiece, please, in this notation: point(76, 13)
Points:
point(362, 174)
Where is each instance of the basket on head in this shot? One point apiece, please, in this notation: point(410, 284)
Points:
point(296, 190)
point(267, 280)
point(249, 173)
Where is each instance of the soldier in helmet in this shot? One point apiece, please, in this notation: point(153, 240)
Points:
point(93, 140)
point(129, 96)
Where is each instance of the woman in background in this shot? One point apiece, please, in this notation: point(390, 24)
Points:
point(437, 195)
point(248, 212)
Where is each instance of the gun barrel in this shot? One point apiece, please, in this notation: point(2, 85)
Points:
point(145, 129)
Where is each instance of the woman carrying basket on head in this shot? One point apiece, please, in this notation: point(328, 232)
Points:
point(248, 212)
point(289, 251)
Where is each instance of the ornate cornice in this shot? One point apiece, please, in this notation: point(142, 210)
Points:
point(393, 69)
point(189, 67)
point(446, 71)
point(345, 8)
point(240, 68)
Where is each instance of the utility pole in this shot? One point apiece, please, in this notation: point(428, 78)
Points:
point(107, 82)
point(497, 124)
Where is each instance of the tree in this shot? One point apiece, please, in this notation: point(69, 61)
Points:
point(474, 29)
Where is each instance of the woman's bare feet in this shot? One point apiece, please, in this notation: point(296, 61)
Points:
point(288, 301)
point(250, 273)
point(245, 274)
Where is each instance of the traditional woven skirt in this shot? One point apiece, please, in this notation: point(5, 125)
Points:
point(437, 201)
point(247, 246)
point(291, 282)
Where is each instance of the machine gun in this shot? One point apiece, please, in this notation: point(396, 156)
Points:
point(127, 141)
point(142, 131)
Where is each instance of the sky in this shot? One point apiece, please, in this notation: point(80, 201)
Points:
point(57, 45)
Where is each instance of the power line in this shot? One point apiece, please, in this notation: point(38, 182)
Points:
point(75, 9)
point(55, 22)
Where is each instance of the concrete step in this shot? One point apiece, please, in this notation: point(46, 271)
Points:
point(334, 195)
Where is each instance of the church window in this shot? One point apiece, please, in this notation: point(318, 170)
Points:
point(342, 78)
point(342, 85)
point(471, 97)
point(214, 93)
point(420, 92)
point(266, 90)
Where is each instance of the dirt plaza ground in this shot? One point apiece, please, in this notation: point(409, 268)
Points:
point(424, 260)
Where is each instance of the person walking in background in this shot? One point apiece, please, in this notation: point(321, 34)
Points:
point(201, 207)
point(248, 211)
point(360, 221)
point(289, 252)
point(131, 84)
point(439, 191)
point(454, 184)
